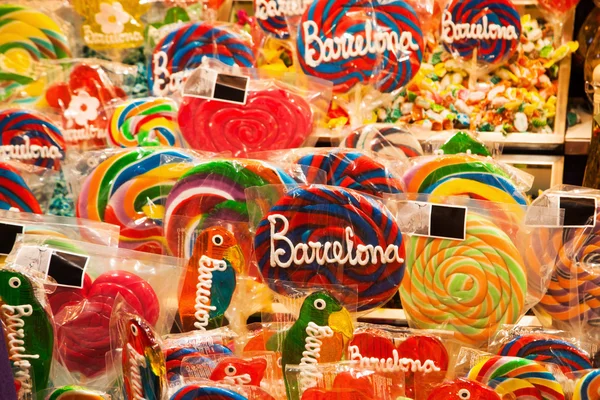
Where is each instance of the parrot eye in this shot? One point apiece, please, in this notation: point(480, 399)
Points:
point(320, 304)
point(14, 282)
point(464, 394)
point(230, 370)
point(217, 240)
point(134, 330)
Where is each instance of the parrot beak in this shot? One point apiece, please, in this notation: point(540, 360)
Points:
point(341, 322)
point(235, 256)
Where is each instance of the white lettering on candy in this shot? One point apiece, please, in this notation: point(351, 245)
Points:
point(91, 37)
point(373, 41)
point(28, 151)
point(166, 82)
point(392, 364)
point(266, 9)
point(13, 318)
point(326, 253)
point(454, 32)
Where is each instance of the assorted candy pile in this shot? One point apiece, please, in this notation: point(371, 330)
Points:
point(168, 232)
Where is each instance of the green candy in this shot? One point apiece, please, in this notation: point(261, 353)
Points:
point(462, 142)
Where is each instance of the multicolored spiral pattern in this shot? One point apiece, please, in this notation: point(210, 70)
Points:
point(145, 122)
point(196, 392)
point(322, 214)
point(471, 287)
point(588, 386)
point(517, 378)
point(14, 192)
point(273, 25)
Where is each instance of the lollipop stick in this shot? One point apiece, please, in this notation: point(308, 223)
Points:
point(473, 69)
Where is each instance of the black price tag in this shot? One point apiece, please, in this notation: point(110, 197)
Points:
point(580, 212)
point(448, 222)
point(206, 83)
point(67, 269)
point(8, 236)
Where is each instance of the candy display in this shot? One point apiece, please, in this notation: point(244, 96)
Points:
point(434, 291)
point(145, 122)
point(290, 249)
point(183, 49)
point(352, 170)
point(384, 140)
point(270, 119)
point(31, 138)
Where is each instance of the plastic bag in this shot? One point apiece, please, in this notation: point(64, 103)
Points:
point(87, 279)
point(384, 140)
point(245, 110)
point(456, 142)
point(24, 187)
point(466, 268)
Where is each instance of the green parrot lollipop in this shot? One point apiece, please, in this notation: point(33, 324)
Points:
point(29, 334)
point(320, 317)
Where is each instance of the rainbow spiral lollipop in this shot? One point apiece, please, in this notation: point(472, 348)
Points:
point(26, 37)
point(145, 122)
point(517, 378)
point(75, 393)
point(588, 386)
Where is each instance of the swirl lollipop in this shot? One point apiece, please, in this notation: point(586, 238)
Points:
point(14, 192)
point(462, 174)
point(127, 190)
point(271, 119)
point(471, 287)
point(183, 50)
point(353, 170)
point(196, 392)
point(270, 17)
point(588, 386)
point(547, 349)
point(517, 378)
point(26, 37)
point(75, 392)
point(213, 191)
point(145, 122)
point(31, 138)
point(384, 140)
point(326, 235)
point(334, 43)
point(487, 31)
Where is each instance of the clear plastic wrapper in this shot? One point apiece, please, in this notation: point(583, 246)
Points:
point(28, 326)
point(182, 48)
point(145, 122)
point(315, 236)
point(209, 389)
point(463, 174)
point(79, 92)
point(343, 381)
point(353, 169)
point(128, 188)
point(249, 110)
point(87, 279)
point(456, 142)
point(38, 34)
point(384, 140)
point(570, 302)
point(75, 391)
point(25, 187)
point(545, 346)
point(468, 265)
point(169, 12)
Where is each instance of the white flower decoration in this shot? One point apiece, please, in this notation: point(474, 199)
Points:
point(112, 17)
point(83, 108)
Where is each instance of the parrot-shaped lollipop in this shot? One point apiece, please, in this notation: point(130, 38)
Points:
point(144, 367)
point(236, 371)
point(210, 278)
point(460, 389)
point(320, 316)
point(29, 334)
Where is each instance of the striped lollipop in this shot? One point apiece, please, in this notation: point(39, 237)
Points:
point(517, 378)
point(31, 138)
point(197, 392)
point(213, 191)
point(588, 386)
point(353, 170)
point(26, 37)
point(471, 287)
point(129, 190)
point(547, 349)
point(145, 122)
point(14, 192)
point(334, 43)
point(463, 174)
point(486, 29)
point(384, 140)
point(270, 17)
point(75, 392)
point(183, 50)
point(333, 236)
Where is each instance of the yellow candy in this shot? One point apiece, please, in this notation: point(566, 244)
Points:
point(561, 53)
point(440, 70)
point(512, 105)
point(529, 109)
point(337, 122)
point(507, 75)
point(525, 19)
point(371, 120)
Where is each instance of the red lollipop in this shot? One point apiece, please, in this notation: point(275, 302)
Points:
point(463, 389)
point(271, 119)
point(560, 7)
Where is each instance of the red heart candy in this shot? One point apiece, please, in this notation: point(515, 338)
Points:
point(271, 119)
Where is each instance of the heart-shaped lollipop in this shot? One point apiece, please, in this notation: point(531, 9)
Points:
point(82, 317)
point(271, 119)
